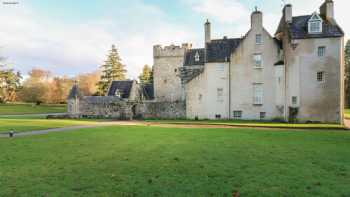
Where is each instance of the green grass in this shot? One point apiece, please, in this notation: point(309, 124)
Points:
point(22, 125)
point(247, 123)
point(152, 161)
point(27, 108)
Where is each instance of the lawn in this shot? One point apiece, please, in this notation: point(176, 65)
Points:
point(29, 124)
point(153, 161)
point(347, 113)
point(16, 109)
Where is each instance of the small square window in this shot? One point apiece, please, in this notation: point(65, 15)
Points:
point(294, 100)
point(257, 61)
point(320, 76)
point(237, 114)
point(262, 115)
point(258, 39)
point(321, 51)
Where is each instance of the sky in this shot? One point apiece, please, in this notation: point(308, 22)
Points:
point(72, 37)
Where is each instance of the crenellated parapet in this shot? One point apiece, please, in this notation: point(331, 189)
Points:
point(171, 50)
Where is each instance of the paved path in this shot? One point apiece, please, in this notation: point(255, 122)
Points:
point(347, 123)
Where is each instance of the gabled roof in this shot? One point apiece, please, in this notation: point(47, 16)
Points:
point(75, 92)
point(121, 87)
point(220, 50)
point(190, 57)
point(298, 29)
point(148, 91)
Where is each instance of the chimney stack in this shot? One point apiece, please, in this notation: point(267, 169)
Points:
point(256, 19)
point(288, 13)
point(207, 32)
point(327, 9)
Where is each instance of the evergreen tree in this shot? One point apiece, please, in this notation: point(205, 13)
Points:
point(146, 76)
point(112, 70)
point(347, 73)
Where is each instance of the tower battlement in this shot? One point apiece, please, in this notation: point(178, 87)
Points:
point(171, 50)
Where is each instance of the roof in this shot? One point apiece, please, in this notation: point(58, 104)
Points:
point(75, 92)
point(298, 29)
point(148, 91)
point(121, 87)
point(221, 50)
point(190, 57)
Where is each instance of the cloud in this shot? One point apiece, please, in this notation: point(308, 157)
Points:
point(29, 39)
point(225, 11)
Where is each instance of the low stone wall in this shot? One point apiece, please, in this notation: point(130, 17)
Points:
point(113, 107)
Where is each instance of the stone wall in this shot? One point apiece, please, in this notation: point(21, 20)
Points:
point(113, 107)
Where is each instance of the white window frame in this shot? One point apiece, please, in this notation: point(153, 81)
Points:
point(196, 57)
point(315, 24)
point(258, 39)
point(321, 51)
point(294, 98)
point(258, 62)
point(258, 94)
point(220, 94)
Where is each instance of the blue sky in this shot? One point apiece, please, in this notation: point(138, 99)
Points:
point(70, 37)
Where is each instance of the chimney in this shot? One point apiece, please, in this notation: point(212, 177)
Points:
point(288, 13)
point(327, 9)
point(256, 19)
point(207, 32)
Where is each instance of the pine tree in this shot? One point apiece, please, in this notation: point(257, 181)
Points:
point(146, 76)
point(112, 70)
point(347, 73)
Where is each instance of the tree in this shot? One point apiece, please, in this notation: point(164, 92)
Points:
point(9, 83)
point(146, 76)
point(88, 81)
point(36, 87)
point(112, 70)
point(347, 73)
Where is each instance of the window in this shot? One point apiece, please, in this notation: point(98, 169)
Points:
point(196, 57)
point(218, 116)
point(220, 94)
point(237, 114)
point(165, 81)
point(294, 100)
point(321, 51)
point(262, 115)
point(315, 24)
point(258, 94)
point(258, 39)
point(175, 70)
point(320, 76)
point(257, 61)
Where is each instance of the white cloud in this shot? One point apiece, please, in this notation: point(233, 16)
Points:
point(30, 40)
point(225, 11)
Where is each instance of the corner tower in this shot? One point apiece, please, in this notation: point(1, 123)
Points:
point(167, 83)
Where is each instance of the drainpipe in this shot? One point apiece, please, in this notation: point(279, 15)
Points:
point(229, 90)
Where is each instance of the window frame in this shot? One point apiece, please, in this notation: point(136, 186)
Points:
point(320, 76)
point(315, 20)
point(256, 66)
point(258, 41)
point(258, 94)
point(321, 51)
point(294, 100)
point(237, 114)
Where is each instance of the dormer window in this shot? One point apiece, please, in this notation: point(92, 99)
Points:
point(196, 57)
point(315, 24)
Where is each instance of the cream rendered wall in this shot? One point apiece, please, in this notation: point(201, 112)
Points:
point(214, 76)
point(244, 75)
point(317, 101)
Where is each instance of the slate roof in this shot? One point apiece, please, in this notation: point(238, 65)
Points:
point(148, 91)
point(298, 29)
point(75, 92)
point(123, 87)
point(190, 57)
point(221, 50)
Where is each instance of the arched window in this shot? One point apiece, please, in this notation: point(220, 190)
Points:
point(196, 57)
point(315, 24)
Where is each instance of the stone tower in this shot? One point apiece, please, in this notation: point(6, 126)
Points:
point(167, 83)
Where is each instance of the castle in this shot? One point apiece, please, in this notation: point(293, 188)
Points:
point(295, 75)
